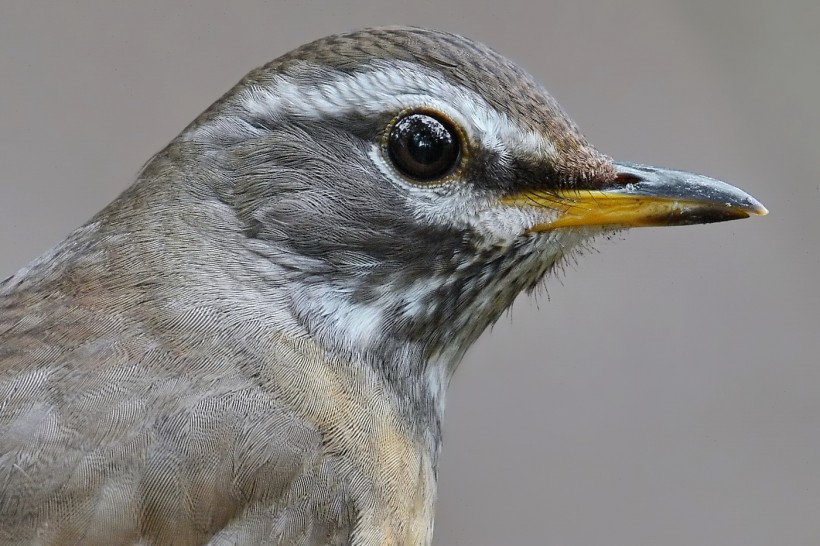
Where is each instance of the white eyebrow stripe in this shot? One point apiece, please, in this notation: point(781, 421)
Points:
point(394, 86)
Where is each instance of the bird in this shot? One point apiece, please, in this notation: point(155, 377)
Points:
point(252, 343)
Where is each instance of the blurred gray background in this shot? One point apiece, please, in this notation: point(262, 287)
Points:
point(666, 390)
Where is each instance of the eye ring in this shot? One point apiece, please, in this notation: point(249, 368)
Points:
point(424, 145)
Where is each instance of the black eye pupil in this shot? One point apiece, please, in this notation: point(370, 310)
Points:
point(423, 147)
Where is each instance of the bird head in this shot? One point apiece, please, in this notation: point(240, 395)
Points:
point(400, 187)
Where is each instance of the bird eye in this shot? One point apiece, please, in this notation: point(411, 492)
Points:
point(424, 147)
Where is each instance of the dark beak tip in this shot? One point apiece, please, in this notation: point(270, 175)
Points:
point(674, 184)
point(758, 209)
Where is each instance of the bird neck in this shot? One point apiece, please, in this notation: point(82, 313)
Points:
point(407, 323)
point(412, 333)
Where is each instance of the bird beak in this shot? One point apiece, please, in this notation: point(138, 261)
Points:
point(640, 195)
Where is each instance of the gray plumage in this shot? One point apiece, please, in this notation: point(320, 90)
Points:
point(251, 344)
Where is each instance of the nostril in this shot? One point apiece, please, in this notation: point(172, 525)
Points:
point(620, 180)
point(625, 179)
